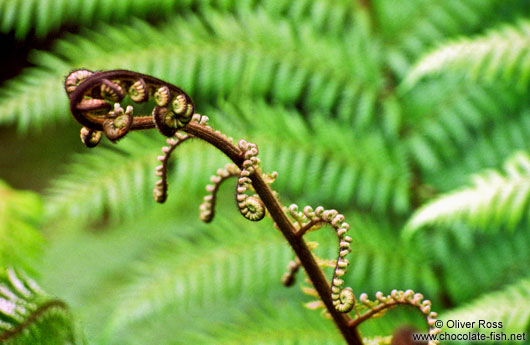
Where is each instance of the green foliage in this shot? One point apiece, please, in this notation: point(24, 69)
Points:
point(380, 110)
point(500, 54)
point(45, 17)
point(29, 316)
point(494, 200)
point(509, 306)
point(20, 215)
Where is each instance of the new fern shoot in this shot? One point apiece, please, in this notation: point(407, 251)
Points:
point(96, 103)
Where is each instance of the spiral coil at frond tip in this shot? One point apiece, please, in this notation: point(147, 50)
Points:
point(343, 298)
point(160, 191)
point(251, 207)
point(93, 93)
point(207, 208)
point(397, 297)
point(289, 277)
point(118, 123)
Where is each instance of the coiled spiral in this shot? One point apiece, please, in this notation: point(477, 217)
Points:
point(207, 208)
point(251, 207)
point(92, 94)
point(343, 298)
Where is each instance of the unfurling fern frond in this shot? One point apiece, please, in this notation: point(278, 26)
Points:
point(20, 240)
point(494, 200)
point(508, 306)
point(28, 316)
point(500, 54)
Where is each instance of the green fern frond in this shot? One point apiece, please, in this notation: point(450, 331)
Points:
point(469, 263)
point(20, 240)
point(174, 275)
point(494, 200)
point(448, 113)
point(508, 305)
point(244, 269)
point(208, 65)
point(29, 316)
point(489, 150)
point(43, 17)
point(274, 324)
point(415, 26)
point(113, 180)
point(503, 53)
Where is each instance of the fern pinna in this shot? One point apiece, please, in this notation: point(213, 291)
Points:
point(96, 102)
point(30, 316)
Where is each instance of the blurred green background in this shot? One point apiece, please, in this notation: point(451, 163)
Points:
point(412, 118)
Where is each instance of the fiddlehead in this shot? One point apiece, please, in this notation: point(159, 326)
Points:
point(250, 207)
point(288, 278)
point(343, 298)
point(378, 307)
point(118, 123)
point(207, 208)
point(138, 91)
point(90, 137)
point(160, 191)
point(93, 95)
point(75, 78)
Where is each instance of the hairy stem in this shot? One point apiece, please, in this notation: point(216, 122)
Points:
point(287, 228)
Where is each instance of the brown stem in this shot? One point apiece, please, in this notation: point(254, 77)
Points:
point(287, 228)
point(305, 228)
point(356, 322)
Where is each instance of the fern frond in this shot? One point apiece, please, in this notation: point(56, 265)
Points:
point(448, 113)
point(174, 275)
point(268, 324)
point(20, 240)
point(43, 17)
point(494, 200)
point(469, 263)
point(29, 316)
point(111, 180)
point(301, 68)
point(503, 53)
point(508, 305)
point(341, 168)
point(489, 150)
point(416, 26)
point(244, 269)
